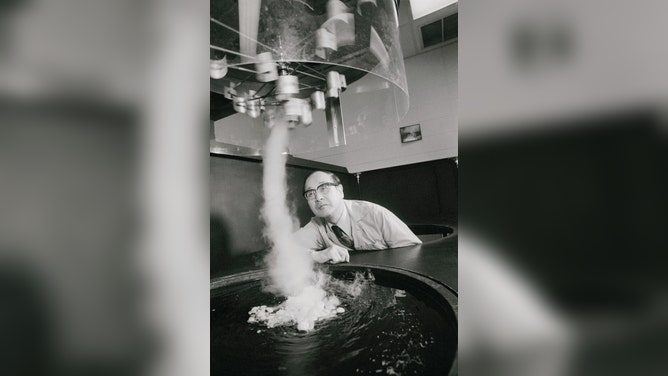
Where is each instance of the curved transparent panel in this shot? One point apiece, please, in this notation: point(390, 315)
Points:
point(333, 66)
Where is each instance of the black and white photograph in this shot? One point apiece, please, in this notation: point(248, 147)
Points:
point(344, 237)
point(410, 133)
point(333, 248)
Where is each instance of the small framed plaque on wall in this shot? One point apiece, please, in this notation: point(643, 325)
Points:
point(410, 133)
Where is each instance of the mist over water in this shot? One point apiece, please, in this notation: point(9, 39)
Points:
point(291, 268)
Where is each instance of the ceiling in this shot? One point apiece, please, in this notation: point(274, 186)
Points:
point(409, 29)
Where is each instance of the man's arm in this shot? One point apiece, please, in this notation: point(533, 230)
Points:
point(309, 238)
point(334, 254)
point(395, 232)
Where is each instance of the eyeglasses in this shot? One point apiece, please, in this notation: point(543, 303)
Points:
point(322, 189)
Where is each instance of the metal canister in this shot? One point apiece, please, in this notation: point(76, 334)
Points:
point(218, 68)
point(286, 87)
point(239, 105)
point(293, 109)
point(333, 84)
point(307, 114)
point(253, 108)
point(253, 104)
point(318, 100)
point(265, 68)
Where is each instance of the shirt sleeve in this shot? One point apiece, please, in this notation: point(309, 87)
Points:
point(309, 237)
point(395, 232)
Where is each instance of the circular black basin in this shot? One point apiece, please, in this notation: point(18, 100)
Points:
point(430, 232)
point(400, 324)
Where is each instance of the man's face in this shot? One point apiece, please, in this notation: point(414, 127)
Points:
point(325, 204)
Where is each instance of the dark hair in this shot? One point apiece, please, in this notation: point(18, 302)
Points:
point(331, 174)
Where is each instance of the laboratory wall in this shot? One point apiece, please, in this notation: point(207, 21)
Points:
point(433, 90)
point(419, 193)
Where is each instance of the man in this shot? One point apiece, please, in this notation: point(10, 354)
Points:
point(340, 225)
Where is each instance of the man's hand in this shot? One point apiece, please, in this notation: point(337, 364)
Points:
point(335, 254)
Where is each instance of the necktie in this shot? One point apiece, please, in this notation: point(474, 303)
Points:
point(343, 237)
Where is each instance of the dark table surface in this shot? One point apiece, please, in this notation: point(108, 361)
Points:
point(435, 259)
